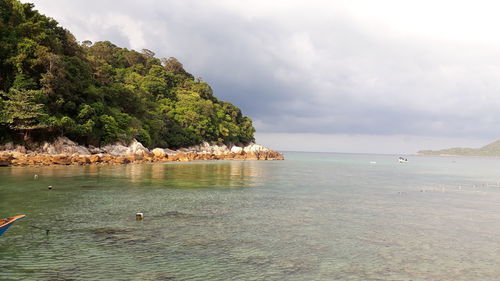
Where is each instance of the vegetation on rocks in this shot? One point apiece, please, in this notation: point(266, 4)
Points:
point(66, 152)
point(98, 93)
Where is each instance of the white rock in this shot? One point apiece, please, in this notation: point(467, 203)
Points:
point(136, 148)
point(20, 148)
point(118, 149)
point(255, 148)
point(170, 152)
point(62, 145)
point(236, 149)
point(159, 152)
point(95, 150)
point(115, 149)
point(8, 146)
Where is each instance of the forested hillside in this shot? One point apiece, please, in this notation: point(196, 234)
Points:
point(96, 93)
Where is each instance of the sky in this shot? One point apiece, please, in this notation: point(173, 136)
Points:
point(386, 76)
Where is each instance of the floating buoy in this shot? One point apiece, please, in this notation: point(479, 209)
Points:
point(139, 216)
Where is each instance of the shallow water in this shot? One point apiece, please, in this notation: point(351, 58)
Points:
point(314, 216)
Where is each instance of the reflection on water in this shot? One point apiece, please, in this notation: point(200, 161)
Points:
point(311, 217)
point(194, 174)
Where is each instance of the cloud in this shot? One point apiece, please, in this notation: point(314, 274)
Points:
point(321, 67)
point(365, 143)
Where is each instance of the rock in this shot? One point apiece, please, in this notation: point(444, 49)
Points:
point(236, 149)
point(273, 155)
point(6, 155)
point(61, 159)
point(20, 149)
point(170, 152)
point(18, 155)
point(66, 152)
point(240, 156)
point(118, 149)
point(19, 162)
point(6, 159)
point(13, 148)
point(107, 158)
point(219, 150)
point(207, 148)
point(7, 146)
point(95, 158)
point(39, 159)
point(255, 148)
point(63, 145)
point(83, 160)
point(135, 158)
point(115, 149)
point(151, 158)
point(181, 156)
point(121, 160)
point(136, 148)
point(251, 156)
point(95, 150)
point(159, 153)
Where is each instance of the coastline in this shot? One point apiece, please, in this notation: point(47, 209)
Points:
point(66, 152)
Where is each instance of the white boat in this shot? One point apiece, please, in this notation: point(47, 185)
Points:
point(402, 160)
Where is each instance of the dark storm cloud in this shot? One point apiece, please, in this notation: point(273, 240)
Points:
point(307, 68)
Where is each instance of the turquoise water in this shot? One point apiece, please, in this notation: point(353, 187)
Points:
point(314, 216)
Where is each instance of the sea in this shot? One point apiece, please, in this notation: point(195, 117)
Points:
point(313, 216)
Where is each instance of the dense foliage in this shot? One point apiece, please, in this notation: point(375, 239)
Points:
point(97, 93)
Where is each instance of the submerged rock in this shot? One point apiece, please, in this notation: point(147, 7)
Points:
point(177, 214)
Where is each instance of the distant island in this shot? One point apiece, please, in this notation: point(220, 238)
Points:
point(492, 149)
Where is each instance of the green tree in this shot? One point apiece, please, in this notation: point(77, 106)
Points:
point(22, 113)
point(98, 92)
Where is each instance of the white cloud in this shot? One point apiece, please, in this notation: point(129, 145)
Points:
point(388, 67)
point(126, 25)
point(395, 144)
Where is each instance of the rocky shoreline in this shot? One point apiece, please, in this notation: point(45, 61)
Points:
point(66, 152)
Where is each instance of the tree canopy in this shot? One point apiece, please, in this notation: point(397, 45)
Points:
point(98, 93)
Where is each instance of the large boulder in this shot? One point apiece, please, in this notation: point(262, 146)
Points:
point(255, 148)
point(121, 160)
point(13, 148)
point(236, 149)
point(159, 153)
point(61, 159)
point(62, 145)
point(5, 159)
point(118, 149)
point(136, 148)
point(207, 148)
point(95, 158)
point(95, 150)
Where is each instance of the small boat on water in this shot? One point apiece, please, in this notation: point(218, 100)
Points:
point(402, 160)
point(6, 223)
